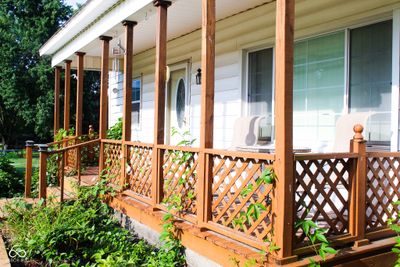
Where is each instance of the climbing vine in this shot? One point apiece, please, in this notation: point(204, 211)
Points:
point(319, 243)
point(396, 228)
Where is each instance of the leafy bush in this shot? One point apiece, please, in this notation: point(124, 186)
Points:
point(115, 132)
point(11, 182)
point(81, 233)
point(61, 134)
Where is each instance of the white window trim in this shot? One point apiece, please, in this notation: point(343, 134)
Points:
point(394, 142)
point(245, 84)
point(138, 126)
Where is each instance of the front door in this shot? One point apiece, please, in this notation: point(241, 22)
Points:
point(177, 103)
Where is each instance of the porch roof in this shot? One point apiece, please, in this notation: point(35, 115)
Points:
point(99, 17)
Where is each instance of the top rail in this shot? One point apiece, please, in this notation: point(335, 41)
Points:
point(137, 143)
point(74, 146)
point(316, 156)
point(382, 154)
point(240, 154)
point(181, 148)
point(69, 138)
point(112, 141)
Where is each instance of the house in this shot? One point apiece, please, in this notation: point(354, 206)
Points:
point(198, 66)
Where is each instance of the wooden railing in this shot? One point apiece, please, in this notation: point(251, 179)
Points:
point(57, 160)
point(350, 195)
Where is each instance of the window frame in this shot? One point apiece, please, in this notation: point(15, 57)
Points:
point(346, 94)
point(245, 81)
point(138, 125)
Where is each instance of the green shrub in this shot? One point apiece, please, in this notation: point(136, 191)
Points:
point(115, 132)
point(80, 233)
point(11, 182)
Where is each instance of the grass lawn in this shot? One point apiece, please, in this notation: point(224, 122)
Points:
point(19, 162)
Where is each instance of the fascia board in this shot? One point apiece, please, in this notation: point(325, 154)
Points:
point(106, 23)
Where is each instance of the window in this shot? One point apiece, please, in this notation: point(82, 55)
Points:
point(318, 87)
point(320, 84)
point(260, 88)
point(371, 77)
point(136, 94)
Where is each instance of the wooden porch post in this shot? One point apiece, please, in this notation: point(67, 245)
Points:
point(57, 75)
point(67, 93)
point(28, 168)
point(105, 45)
point(127, 94)
point(207, 109)
point(79, 93)
point(127, 85)
point(358, 191)
point(159, 100)
point(284, 161)
point(43, 149)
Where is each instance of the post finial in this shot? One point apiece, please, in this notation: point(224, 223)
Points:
point(358, 129)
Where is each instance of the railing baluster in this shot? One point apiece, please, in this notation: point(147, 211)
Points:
point(101, 157)
point(62, 176)
point(358, 189)
point(28, 168)
point(78, 164)
point(43, 150)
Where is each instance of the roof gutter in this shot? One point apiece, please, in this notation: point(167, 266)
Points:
point(92, 10)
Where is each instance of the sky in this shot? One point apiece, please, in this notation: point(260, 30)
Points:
point(74, 2)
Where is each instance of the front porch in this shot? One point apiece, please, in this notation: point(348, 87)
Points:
point(349, 194)
point(227, 207)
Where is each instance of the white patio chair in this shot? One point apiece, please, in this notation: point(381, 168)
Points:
point(246, 131)
point(344, 129)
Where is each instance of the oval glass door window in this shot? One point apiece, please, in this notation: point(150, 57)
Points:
point(180, 103)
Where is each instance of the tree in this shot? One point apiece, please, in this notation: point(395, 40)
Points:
point(26, 87)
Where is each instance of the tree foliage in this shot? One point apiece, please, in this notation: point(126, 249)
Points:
point(26, 87)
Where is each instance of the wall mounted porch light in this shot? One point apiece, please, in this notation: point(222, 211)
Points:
point(198, 77)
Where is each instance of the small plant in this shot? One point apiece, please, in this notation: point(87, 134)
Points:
point(115, 132)
point(396, 228)
point(319, 242)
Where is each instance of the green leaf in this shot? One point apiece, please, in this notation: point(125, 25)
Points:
point(321, 238)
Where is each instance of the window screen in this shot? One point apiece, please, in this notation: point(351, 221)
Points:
point(371, 76)
point(136, 88)
point(318, 87)
point(260, 88)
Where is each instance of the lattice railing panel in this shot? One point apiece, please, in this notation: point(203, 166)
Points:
point(322, 189)
point(139, 170)
point(383, 188)
point(112, 162)
point(236, 191)
point(72, 155)
point(180, 178)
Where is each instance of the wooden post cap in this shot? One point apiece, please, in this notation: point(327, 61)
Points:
point(105, 38)
point(129, 23)
point(358, 129)
point(43, 147)
point(29, 143)
point(162, 3)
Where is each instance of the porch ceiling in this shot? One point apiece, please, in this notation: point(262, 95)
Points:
point(184, 16)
